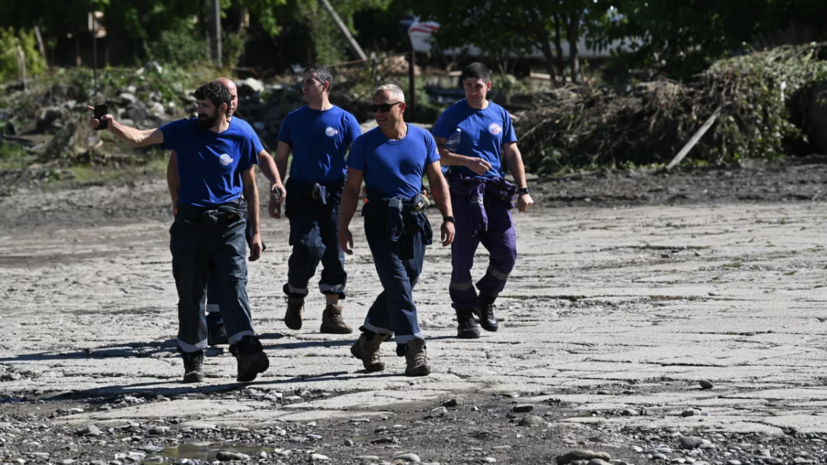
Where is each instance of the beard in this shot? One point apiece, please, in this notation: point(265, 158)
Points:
point(206, 121)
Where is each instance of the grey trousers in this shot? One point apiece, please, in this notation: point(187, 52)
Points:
point(217, 248)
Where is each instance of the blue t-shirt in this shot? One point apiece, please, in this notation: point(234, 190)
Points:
point(483, 134)
point(209, 163)
point(394, 167)
point(251, 131)
point(320, 140)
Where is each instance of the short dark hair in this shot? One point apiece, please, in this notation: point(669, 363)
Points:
point(476, 70)
point(214, 92)
point(322, 73)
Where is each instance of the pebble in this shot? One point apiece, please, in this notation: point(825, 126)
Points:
point(450, 403)
point(522, 408)
point(659, 457)
point(489, 460)
point(582, 454)
point(380, 429)
point(262, 455)
point(533, 421)
point(314, 437)
point(629, 412)
point(154, 459)
point(65, 462)
point(637, 449)
point(690, 442)
point(349, 443)
point(410, 458)
point(90, 430)
point(319, 458)
point(705, 384)
point(439, 412)
point(689, 413)
point(597, 462)
point(505, 447)
point(159, 430)
point(360, 420)
point(226, 456)
point(733, 462)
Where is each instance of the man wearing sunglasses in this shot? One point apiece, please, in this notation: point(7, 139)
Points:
point(319, 134)
point(392, 159)
point(481, 132)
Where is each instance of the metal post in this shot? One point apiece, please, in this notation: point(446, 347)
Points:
point(216, 35)
point(412, 84)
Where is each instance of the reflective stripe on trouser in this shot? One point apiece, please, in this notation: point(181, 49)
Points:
point(219, 250)
point(501, 242)
point(393, 311)
point(315, 240)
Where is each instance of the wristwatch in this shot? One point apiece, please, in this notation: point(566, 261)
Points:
point(447, 219)
point(524, 190)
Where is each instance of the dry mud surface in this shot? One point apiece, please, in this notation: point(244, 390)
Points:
point(630, 289)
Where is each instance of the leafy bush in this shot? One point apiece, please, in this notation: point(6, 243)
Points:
point(11, 43)
point(232, 47)
point(178, 48)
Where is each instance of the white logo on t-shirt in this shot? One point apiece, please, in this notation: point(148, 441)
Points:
point(495, 128)
point(330, 132)
point(225, 159)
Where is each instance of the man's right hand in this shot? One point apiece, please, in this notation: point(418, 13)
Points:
point(477, 165)
point(346, 241)
point(94, 122)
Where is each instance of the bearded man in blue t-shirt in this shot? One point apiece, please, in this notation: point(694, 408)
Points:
point(473, 136)
point(319, 134)
point(215, 160)
point(392, 159)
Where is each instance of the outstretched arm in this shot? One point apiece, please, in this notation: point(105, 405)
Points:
point(130, 135)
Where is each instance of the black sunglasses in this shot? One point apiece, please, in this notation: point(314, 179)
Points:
point(384, 108)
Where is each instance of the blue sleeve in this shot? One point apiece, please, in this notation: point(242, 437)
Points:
point(509, 135)
point(352, 129)
point(256, 141)
point(284, 132)
point(174, 133)
point(430, 147)
point(248, 157)
point(356, 159)
point(444, 127)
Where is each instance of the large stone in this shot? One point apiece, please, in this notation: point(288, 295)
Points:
point(533, 421)
point(582, 454)
point(250, 87)
point(690, 442)
point(409, 458)
point(137, 111)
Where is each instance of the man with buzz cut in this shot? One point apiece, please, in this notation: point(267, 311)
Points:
point(392, 159)
point(473, 136)
point(215, 161)
point(319, 134)
point(216, 332)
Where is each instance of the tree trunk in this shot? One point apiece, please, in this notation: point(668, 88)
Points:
point(545, 46)
point(558, 44)
point(574, 52)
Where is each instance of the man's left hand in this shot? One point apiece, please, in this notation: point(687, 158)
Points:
point(255, 248)
point(524, 203)
point(448, 233)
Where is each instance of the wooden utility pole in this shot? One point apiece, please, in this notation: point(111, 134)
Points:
point(215, 16)
point(344, 30)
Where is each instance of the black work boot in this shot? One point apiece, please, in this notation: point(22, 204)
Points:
point(366, 349)
point(217, 335)
point(251, 358)
point(466, 325)
point(332, 322)
point(485, 309)
point(293, 315)
point(416, 358)
point(193, 366)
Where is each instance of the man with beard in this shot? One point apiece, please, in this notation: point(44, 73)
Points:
point(481, 133)
point(319, 134)
point(216, 332)
point(392, 160)
point(215, 161)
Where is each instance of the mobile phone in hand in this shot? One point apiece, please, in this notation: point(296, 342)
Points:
point(100, 112)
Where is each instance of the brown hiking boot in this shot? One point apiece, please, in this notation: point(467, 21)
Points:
point(416, 358)
point(332, 322)
point(368, 351)
point(293, 315)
